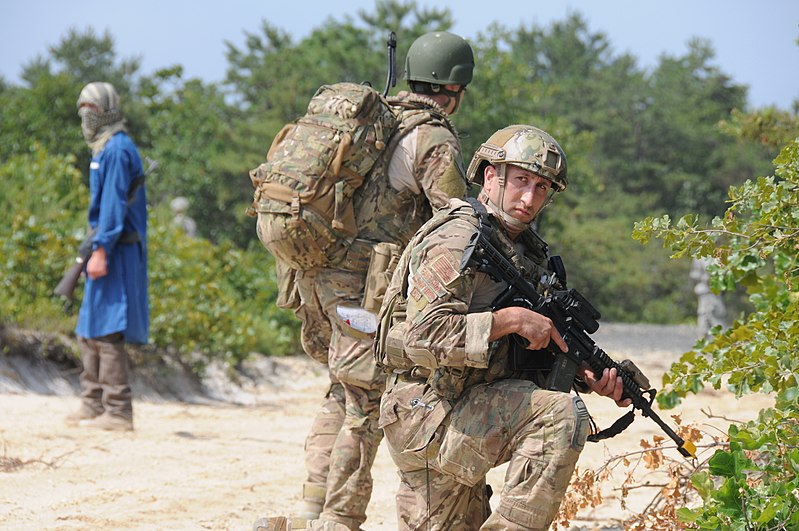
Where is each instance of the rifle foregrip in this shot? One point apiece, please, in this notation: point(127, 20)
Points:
point(575, 318)
point(636, 386)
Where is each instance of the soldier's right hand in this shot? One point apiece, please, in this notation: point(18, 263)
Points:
point(537, 329)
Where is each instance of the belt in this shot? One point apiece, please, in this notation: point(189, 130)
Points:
point(129, 237)
point(416, 374)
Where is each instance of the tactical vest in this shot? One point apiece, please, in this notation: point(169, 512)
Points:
point(384, 214)
point(450, 382)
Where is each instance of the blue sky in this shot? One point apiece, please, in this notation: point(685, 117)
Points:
point(755, 42)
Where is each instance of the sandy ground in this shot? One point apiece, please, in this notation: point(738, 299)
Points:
point(222, 458)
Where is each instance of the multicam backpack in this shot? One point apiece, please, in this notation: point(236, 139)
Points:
point(303, 192)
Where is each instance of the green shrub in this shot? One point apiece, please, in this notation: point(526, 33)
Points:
point(214, 301)
point(206, 302)
point(38, 234)
point(753, 483)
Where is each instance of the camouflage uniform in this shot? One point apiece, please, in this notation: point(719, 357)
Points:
point(452, 410)
point(344, 438)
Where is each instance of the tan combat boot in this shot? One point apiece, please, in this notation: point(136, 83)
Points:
point(84, 413)
point(279, 523)
point(109, 422)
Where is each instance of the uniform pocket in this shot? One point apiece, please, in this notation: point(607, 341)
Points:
point(410, 413)
point(469, 456)
point(315, 334)
point(288, 296)
point(582, 424)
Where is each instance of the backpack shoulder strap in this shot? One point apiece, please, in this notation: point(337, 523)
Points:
point(415, 110)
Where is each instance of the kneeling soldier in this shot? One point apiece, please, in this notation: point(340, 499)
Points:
point(453, 409)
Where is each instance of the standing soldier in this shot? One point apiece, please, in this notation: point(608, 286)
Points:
point(419, 176)
point(115, 307)
point(453, 409)
point(710, 310)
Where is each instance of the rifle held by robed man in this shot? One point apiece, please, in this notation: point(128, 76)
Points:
point(66, 287)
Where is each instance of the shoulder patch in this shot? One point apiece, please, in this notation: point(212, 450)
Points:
point(453, 180)
point(444, 269)
point(431, 280)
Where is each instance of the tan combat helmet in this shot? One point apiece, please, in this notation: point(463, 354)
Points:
point(527, 147)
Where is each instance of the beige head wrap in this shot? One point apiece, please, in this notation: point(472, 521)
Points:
point(99, 127)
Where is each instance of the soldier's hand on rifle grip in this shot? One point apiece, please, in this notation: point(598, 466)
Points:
point(610, 384)
point(537, 329)
point(98, 265)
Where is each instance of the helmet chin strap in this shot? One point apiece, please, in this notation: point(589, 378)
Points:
point(506, 219)
point(458, 98)
point(451, 95)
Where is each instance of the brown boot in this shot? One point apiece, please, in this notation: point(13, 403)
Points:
point(84, 413)
point(109, 422)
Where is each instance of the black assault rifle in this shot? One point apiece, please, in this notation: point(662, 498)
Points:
point(575, 318)
point(66, 287)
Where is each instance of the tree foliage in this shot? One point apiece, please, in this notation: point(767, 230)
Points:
point(639, 143)
point(188, 130)
point(752, 484)
point(207, 301)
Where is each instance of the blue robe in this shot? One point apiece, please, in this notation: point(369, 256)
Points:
point(118, 301)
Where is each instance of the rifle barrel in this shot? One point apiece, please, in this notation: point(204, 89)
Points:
point(66, 287)
point(599, 360)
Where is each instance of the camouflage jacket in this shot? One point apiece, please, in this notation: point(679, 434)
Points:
point(384, 214)
point(443, 307)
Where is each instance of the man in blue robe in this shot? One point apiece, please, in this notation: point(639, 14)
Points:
point(115, 307)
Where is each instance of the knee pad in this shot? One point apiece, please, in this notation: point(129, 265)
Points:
point(581, 424)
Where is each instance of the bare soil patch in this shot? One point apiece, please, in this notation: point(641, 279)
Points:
point(220, 453)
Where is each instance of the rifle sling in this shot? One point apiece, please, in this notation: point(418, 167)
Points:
point(616, 428)
point(135, 184)
point(85, 248)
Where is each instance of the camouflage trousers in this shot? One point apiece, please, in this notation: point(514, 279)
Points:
point(341, 446)
point(539, 433)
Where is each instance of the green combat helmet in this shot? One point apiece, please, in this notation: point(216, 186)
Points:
point(439, 58)
point(524, 146)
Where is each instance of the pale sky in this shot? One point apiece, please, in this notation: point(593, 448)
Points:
point(755, 42)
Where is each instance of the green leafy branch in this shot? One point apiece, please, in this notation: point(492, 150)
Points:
point(753, 484)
